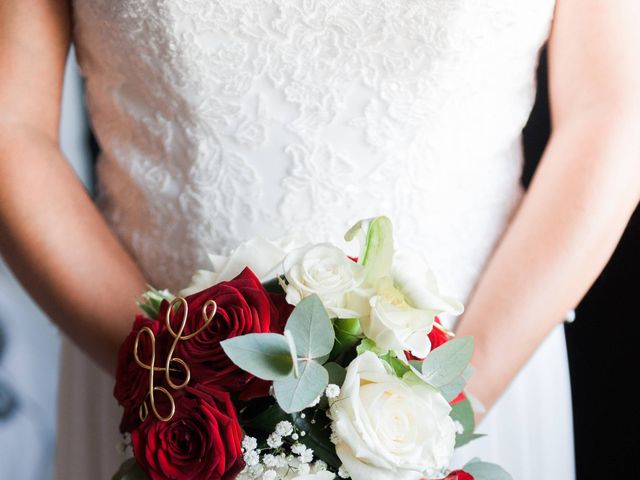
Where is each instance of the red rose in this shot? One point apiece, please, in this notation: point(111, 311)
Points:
point(200, 442)
point(132, 381)
point(459, 475)
point(437, 336)
point(243, 306)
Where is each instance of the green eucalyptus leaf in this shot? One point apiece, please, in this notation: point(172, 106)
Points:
point(417, 364)
point(296, 394)
point(337, 373)
point(486, 471)
point(265, 355)
point(464, 438)
point(130, 470)
point(451, 390)
point(448, 361)
point(311, 328)
point(463, 413)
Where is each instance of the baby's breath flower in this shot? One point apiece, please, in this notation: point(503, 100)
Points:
point(269, 475)
point(342, 472)
point(298, 448)
point(284, 428)
point(274, 440)
point(320, 466)
point(251, 458)
point(269, 460)
point(249, 443)
point(332, 391)
point(306, 456)
point(281, 460)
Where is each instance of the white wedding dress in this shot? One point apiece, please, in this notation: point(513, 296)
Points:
point(222, 119)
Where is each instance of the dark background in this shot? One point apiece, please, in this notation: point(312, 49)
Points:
point(601, 340)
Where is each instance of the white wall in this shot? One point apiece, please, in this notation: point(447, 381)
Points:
point(29, 359)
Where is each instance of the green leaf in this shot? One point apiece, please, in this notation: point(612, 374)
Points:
point(273, 285)
point(265, 355)
point(130, 470)
point(265, 420)
point(486, 471)
point(463, 413)
point(311, 328)
point(292, 351)
point(336, 372)
point(348, 333)
point(451, 390)
point(149, 302)
point(296, 394)
point(464, 438)
point(398, 367)
point(317, 436)
point(448, 361)
point(368, 345)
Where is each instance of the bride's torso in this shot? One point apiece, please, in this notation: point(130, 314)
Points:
point(220, 120)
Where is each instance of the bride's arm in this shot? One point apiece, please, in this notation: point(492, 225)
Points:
point(51, 234)
point(581, 198)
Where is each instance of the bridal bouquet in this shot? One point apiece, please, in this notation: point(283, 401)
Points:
point(330, 367)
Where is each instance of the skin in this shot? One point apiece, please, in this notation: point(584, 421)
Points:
point(583, 194)
point(52, 236)
point(581, 198)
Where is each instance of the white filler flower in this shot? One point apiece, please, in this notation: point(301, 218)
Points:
point(388, 429)
point(322, 475)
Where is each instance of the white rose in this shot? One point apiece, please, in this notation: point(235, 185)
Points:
point(404, 306)
point(388, 429)
point(326, 271)
point(413, 277)
point(260, 255)
point(395, 325)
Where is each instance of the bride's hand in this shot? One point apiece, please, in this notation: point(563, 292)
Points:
point(584, 192)
point(51, 234)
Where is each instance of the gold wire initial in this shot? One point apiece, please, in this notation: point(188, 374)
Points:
point(171, 361)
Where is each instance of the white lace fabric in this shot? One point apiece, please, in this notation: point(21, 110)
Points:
point(220, 120)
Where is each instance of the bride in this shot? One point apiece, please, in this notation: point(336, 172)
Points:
point(219, 120)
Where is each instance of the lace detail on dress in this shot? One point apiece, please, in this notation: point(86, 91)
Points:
point(220, 120)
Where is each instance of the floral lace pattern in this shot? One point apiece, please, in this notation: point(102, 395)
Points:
point(223, 119)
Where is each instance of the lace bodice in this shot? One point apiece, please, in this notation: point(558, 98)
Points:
point(222, 119)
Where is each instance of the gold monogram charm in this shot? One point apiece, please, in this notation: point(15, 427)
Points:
point(172, 364)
